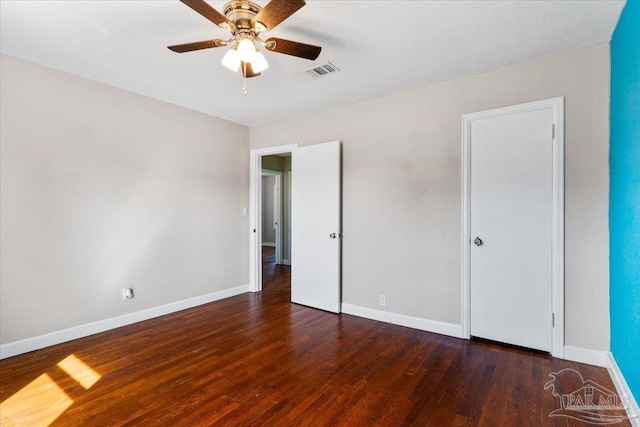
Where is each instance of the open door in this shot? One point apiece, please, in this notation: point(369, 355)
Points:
point(315, 226)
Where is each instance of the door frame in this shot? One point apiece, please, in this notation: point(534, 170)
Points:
point(557, 106)
point(255, 211)
point(277, 208)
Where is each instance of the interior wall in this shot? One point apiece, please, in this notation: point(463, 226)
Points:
point(268, 203)
point(102, 189)
point(402, 186)
point(624, 210)
point(272, 163)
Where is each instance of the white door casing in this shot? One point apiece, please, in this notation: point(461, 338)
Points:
point(513, 201)
point(315, 226)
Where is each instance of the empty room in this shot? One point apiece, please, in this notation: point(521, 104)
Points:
point(320, 213)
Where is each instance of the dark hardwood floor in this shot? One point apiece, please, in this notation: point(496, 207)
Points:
point(257, 359)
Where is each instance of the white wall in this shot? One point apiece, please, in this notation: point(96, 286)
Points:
point(402, 186)
point(103, 189)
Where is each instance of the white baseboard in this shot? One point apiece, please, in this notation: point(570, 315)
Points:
point(442, 328)
point(80, 331)
point(606, 360)
point(585, 355)
point(633, 411)
point(286, 262)
point(271, 245)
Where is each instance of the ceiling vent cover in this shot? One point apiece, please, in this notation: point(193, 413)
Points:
point(323, 70)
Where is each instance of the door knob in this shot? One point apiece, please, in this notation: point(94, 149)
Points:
point(478, 241)
point(332, 235)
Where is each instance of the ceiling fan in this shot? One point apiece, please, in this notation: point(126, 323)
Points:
point(246, 20)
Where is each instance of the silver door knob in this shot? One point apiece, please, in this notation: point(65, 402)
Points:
point(332, 235)
point(478, 241)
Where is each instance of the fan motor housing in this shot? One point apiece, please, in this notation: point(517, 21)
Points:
point(241, 12)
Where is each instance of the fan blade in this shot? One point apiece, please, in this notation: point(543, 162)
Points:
point(289, 47)
point(189, 47)
point(203, 8)
point(247, 70)
point(276, 11)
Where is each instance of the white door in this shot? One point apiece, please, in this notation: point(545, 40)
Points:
point(511, 228)
point(315, 226)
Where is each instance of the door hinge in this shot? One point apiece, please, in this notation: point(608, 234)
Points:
point(553, 320)
point(553, 131)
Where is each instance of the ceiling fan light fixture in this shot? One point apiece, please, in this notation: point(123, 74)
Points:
point(231, 60)
point(259, 63)
point(246, 49)
point(245, 20)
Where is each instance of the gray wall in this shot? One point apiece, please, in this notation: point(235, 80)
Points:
point(268, 202)
point(273, 163)
point(103, 189)
point(402, 186)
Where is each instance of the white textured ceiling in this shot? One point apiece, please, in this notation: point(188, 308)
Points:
point(381, 47)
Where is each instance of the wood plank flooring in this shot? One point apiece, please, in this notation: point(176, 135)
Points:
point(257, 359)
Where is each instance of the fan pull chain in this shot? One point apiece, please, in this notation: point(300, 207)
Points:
point(244, 78)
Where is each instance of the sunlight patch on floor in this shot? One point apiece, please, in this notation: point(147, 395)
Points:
point(79, 371)
point(41, 401)
point(42, 393)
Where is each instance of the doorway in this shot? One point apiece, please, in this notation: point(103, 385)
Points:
point(275, 214)
point(272, 211)
point(315, 254)
point(266, 161)
point(513, 225)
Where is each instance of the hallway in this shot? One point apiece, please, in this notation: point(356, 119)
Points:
point(274, 275)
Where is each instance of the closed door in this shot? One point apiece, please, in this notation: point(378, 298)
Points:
point(315, 227)
point(511, 228)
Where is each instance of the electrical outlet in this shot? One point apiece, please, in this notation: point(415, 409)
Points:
point(127, 293)
point(383, 300)
point(244, 211)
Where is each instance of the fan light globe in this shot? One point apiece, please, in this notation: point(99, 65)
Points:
point(231, 60)
point(259, 63)
point(246, 50)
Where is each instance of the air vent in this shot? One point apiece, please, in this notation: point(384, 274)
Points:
point(323, 70)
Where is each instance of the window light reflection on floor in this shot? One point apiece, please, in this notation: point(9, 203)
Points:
point(41, 401)
point(79, 371)
point(42, 393)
